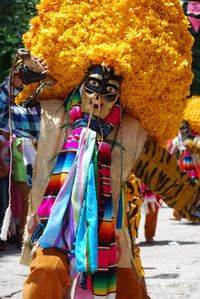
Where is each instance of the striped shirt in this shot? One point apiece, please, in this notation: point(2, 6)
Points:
point(25, 121)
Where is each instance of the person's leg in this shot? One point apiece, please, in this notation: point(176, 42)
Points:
point(24, 192)
point(176, 215)
point(129, 285)
point(49, 276)
point(150, 223)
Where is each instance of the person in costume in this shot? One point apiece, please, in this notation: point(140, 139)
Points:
point(185, 145)
point(185, 148)
point(102, 82)
point(151, 205)
point(55, 232)
point(82, 235)
point(19, 189)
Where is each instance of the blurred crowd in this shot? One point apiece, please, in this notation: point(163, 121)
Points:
point(17, 156)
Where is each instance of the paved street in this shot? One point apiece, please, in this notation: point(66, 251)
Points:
point(172, 264)
point(12, 274)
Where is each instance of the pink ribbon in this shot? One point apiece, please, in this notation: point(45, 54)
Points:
point(195, 23)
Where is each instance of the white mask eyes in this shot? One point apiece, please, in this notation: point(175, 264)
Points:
point(111, 89)
point(93, 82)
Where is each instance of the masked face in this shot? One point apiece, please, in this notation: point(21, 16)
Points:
point(100, 91)
point(185, 130)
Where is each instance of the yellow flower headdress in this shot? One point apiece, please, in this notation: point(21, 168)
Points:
point(144, 40)
point(192, 113)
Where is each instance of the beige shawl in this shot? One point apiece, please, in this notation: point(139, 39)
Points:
point(131, 135)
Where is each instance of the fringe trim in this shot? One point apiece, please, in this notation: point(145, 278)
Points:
point(6, 224)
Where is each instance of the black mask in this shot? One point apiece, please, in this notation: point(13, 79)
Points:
point(185, 130)
point(103, 81)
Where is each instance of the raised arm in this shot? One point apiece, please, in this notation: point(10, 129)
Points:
point(25, 121)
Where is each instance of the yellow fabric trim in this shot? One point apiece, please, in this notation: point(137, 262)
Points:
point(138, 261)
point(133, 197)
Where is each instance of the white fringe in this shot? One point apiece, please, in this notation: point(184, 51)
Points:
point(36, 245)
point(6, 223)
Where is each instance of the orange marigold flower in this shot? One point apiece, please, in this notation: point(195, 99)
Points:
point(192, 113)
point(147, 41)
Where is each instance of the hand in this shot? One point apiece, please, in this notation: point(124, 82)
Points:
point(38, 65)
point(17, 81)
point(33, 69)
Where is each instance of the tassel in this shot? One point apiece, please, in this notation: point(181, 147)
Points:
point(6, 223)
point(36, 245)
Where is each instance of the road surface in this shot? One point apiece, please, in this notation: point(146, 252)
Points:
point(172, 263)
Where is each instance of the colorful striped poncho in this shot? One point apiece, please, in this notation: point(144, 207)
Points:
point(185, 158)
point(78, 200)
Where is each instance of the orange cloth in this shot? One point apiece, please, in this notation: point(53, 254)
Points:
point(150, 223)
point(49, 278)
point(49, 275)
point(129, 286)
point(138, 261)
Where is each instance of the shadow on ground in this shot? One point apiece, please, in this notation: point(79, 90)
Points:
point(11, 249)
point(187, 223)
point(168, 242)
point(163, 276)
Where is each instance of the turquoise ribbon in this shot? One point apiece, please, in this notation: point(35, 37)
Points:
point(79, 188)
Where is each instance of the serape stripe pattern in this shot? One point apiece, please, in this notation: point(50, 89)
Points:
point(77, 204)
point(187, 161)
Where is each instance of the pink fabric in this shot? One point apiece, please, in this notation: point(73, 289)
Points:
point(46, 206)
point(193, 8)
point(72, 140)
point(195, 23)
point(149, 196)
point(81, 293)
point(75, 113)
point(114, 116)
